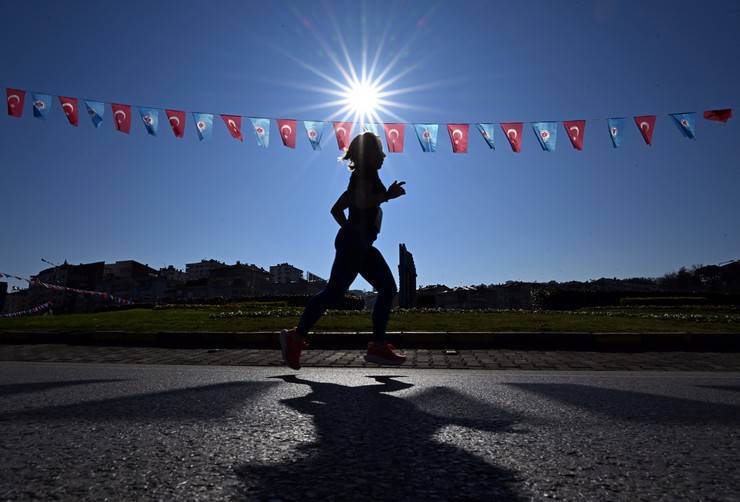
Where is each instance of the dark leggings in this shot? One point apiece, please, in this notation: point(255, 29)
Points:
point(355, 255)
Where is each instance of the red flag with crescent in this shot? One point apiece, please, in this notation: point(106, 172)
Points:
point(343, 131)
point(394, 137)
point(69, 106)
point(458, 137)
point(722, 115)
point(121, 117)
point(575, 129)
point(176, 118)
point(234, 125)
point(646, 124)
point(15, 98)
point(513, 132)
point(287, 129)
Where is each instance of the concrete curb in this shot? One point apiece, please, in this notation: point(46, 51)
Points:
point(405, 339)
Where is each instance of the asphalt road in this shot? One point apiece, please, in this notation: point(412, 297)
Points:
point(117, 432)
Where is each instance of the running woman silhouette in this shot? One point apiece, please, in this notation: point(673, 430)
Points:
point(355, 253)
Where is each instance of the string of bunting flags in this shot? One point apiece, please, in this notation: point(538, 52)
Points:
point(56, 287)
point(34, 310)
point(426, 133)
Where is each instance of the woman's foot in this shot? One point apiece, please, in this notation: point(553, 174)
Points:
point(384, 353)
point(291, 343)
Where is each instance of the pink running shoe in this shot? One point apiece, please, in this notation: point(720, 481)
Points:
point(384, 353)
point(292, 346)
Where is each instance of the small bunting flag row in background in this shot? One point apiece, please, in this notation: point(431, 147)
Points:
point(34, 310)
point(427, 133)
point(56, 287)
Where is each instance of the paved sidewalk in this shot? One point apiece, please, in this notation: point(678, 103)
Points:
point(418, 358)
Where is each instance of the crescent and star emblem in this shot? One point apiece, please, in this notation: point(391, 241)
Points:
point(176, 119)
point(123, 116)
point(288, 133)
point(17, 100)
point(575, 130)
point(511, 133)
point(454, 134)
point(644, 126)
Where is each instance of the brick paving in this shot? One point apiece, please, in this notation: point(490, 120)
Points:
point(418, 358)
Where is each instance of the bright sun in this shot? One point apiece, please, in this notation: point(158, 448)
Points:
point(362, 98)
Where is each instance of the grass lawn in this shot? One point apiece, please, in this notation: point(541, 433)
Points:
point(257, 316)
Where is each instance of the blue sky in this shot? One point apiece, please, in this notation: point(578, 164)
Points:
point(86, 194)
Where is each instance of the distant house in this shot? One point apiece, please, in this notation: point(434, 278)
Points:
point(202, 269)
point(285, 273)
point(240, 280)
point(134, 281)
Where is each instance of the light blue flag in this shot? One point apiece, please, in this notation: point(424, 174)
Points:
point(150, 117)
point(427, 134)
point(204, 125)
point(547, 134)
point(41, 104)
point(262, 131)
point(486, 130)
point(373, 128)
point(616, 126)
point(686, 123)
point(314, 131)
point(96, 110)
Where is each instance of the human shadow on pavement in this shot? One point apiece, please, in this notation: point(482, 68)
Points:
point(29, 388)
point(635, 406)
point(371, 445)
point(192, 403)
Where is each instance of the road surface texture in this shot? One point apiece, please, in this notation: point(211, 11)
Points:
point(124, 432)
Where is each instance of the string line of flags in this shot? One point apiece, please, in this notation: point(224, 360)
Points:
point(34, 310)
point(56, 287)
point(426, 133)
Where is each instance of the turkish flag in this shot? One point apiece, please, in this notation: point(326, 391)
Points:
point(458, 137)
point(513, 132)
point(234, 125)
point(394, 137)
point(16, 98)
point(722, 115)
point(646, 124)
point(343, 131)
point(575, 129)
point(121, 117)
point(69, 106)
point(176, 118)
point(287, 131)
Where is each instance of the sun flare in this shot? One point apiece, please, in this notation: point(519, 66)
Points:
point(362, 98)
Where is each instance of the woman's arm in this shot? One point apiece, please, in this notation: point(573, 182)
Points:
point(337, 210)
point(365, 198)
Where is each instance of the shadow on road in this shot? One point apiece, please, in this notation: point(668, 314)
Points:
point(29, 388)
point(373, 445)
point(636, 406)
point(193, 403)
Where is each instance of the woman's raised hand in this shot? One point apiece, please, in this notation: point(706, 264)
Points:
point(395, 190)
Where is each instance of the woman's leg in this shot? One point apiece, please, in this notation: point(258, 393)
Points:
point(343, 272)
point(375, 270)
